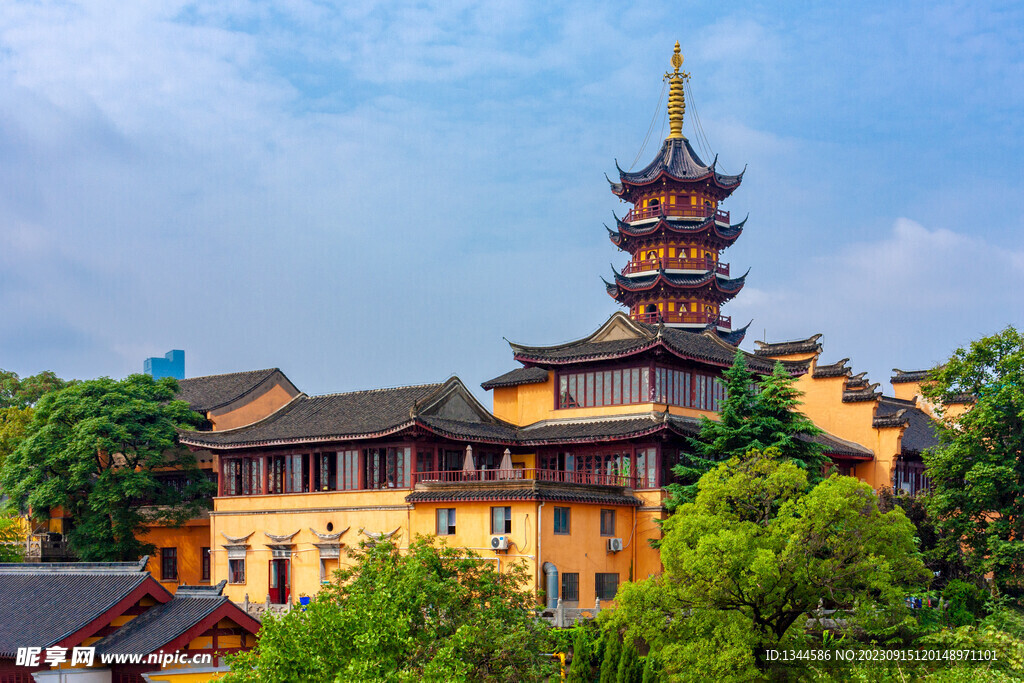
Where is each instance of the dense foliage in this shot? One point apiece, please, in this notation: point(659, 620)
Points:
point(93, 449)
point(429, 613)
point(759, 416)
point(17, 396)
point(977, 471)
point(755, 552)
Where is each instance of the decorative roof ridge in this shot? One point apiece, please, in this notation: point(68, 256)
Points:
point(897, 419)
point(380, 390)
point(866, 394)
point(201, 591)
point(809, 345)
point(225, 374)
point(642, 333)
point(908, 402)
point(837, 369)
point(902, 376)
point(137, 567)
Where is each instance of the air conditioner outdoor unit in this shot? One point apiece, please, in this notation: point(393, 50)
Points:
point(499, 542)
point(614, 545)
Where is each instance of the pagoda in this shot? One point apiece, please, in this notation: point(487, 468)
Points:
point(675, 233)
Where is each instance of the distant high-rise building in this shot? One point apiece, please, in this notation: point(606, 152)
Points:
point(171, 365)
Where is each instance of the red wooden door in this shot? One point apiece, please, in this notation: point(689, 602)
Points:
point(279, 581)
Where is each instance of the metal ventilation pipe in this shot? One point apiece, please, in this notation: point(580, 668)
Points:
point(551, 574)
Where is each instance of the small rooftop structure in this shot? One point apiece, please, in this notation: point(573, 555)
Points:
point(171, 365)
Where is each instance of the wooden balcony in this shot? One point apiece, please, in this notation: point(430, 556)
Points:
point(699, 264)
point(525, 474)
point(675, 211)
point(676, 318)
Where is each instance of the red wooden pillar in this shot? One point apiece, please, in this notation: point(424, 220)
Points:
point(265, 462)
point(313, 466)
point(220, 477)
point(362, 468)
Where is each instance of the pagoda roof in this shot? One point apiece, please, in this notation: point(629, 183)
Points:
point(678, 161)
point(727, 234)
point(620, 337)
point(711, 280)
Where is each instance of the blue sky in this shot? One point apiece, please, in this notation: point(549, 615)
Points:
point(377, 194)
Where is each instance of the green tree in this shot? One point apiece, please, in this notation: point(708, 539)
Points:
point(629, 670)
point(582, 655)
point(977, 470)
point(612, 655)
point(93, 449)
point(430, 613)
point(750, 419)
point(756, 551)
point(17, 396)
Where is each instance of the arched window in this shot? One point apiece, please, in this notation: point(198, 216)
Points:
point(654, 203)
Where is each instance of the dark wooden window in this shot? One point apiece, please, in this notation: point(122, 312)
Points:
point(388, 468)
point(570, 586)
point(325, 472)
point(501, 520)
point(204, 559)
point(169, 564)
point(607, 522)
point(236, 571)
point(243, 476)
point(562, 521)
point(606, 585)
point(348, 470)
point(604, 388)
point(288, 473)
point(445, 521)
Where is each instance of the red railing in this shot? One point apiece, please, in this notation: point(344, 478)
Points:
point(685, 319)
point(675, 264)
point(636, 214)
point(559, 476)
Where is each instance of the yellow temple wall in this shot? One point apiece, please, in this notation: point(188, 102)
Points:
point(822, 402)
point(376, 511)
point(189, 540)
point(907, 391)
point(254, 410)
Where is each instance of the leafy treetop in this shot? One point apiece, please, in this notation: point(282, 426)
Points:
point(977, 470)
point(94, 449)
point(430, 612)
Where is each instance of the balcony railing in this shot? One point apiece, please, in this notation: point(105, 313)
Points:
point(674, 317)
point(672, 211)
point(529, 473)
point(644, 265)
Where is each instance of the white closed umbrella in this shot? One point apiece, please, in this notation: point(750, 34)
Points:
point(505, 468)
point(467, 464)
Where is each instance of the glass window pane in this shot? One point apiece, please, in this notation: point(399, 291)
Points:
point(617, 387)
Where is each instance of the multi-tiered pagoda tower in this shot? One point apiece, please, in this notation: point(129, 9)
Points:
point(675, 233)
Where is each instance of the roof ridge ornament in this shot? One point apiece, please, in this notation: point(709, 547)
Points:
point(676, 98)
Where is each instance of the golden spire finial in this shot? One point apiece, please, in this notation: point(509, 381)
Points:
point(676, 99)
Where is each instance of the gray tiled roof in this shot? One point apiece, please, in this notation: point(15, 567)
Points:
point(679, 160)
point(42, 604)
point(213, 391)
point(837, 369)
point(323, 418)
point(920, 430)
point(516, 377)
point(160, 625)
